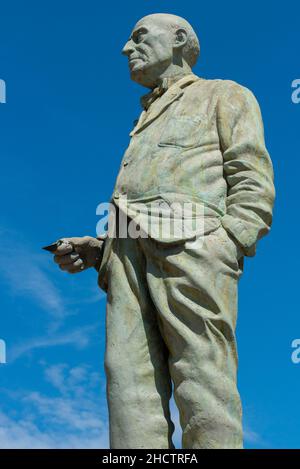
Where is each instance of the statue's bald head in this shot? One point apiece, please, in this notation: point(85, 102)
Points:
point(191, 50)
point(161, 45)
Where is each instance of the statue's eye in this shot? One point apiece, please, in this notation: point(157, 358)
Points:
point(138, 36)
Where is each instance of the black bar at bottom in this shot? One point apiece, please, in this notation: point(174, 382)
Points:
point(134, 458)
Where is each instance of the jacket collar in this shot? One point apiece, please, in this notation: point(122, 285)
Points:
point(157, 92)
point(175, 91)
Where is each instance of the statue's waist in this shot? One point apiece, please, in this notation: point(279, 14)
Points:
point(168, 204)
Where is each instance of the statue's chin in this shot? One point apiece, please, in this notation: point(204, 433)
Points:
point(139, 75)
point(137, 67)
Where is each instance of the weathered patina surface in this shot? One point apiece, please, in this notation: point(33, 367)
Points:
point(172, 304)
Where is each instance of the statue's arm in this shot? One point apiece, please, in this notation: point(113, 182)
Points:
point(102, 239)
point(247, 166)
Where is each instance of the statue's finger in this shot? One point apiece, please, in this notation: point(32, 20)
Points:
point(66, 259)
point(73, 268)
point(64, 248)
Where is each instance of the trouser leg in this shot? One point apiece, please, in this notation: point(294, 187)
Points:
point(195, 294)
point(136, 359)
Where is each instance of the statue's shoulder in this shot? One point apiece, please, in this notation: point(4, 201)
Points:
point(222, 91)
point(220, 86)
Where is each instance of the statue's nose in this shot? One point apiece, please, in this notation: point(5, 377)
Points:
point(128, 48)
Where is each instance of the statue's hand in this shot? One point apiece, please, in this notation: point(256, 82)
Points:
point(74, 255)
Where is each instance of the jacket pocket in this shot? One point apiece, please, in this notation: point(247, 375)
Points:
point(183, 131)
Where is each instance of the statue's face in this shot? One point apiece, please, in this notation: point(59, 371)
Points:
point(149, 50)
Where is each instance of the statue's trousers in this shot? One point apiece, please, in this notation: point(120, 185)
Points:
point(171, 317)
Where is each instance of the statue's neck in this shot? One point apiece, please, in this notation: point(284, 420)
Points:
point(173, 74)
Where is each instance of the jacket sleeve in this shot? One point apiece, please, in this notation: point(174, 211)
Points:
point(100, 257)
point(247, 167)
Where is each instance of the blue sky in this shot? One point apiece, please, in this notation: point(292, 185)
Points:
point(70, 106)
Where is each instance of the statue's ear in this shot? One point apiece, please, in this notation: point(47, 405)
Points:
point(180, 38)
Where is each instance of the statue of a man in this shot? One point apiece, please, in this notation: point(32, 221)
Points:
point(172, 304)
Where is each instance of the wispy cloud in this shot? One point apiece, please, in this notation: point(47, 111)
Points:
point(79, 338)
point(23, 272)
point(253, 438)
point(29, 280)
point(75, 418)
point(26, 272)
point(23, 434)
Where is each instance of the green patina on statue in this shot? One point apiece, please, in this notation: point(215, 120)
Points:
point(172, 304)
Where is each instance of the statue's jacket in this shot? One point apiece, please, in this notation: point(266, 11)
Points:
point(202, 142)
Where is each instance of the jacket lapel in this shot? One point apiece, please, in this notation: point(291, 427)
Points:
point(161, 104)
